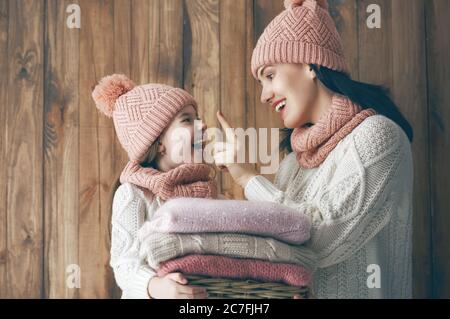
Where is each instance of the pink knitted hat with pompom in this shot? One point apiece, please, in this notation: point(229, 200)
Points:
point(303, 33)
point(140, 113)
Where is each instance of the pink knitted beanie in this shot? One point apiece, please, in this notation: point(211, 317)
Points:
point(140, 113)
point(303, 33)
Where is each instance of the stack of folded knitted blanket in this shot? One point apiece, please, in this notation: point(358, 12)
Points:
point(233, 239)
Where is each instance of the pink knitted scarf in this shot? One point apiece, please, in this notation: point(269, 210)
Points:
point(186, 180)
point(236, 268)
point(313, 144)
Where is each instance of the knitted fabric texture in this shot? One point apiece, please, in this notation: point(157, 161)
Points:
point(186, 180)
point(359, 199)
point(234, 268)
point(361, 202)
point(160, 247)
point(140, 113)
point(199, 215)
point(300, 34)
point(313, 144)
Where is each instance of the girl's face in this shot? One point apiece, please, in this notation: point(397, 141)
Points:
point(291, 90)
point(177, 141)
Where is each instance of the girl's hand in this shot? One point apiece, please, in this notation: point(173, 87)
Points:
point(226, 155)
point(309, 296)
point(174, 286)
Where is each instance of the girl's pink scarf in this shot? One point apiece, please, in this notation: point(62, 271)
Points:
point(237, 268)
point(186, 180)
point(313, 144)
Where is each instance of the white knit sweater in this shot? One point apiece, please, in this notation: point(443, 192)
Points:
point(130, 209)
point(360, 201)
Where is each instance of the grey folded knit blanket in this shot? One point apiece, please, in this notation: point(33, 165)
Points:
point(159, 247)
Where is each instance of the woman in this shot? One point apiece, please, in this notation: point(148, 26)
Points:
point(350, 166)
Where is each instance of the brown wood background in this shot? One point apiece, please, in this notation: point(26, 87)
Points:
point(59, 157)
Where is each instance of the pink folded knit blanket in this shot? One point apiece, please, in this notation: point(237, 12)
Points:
point(201, 215)
point(234, 268)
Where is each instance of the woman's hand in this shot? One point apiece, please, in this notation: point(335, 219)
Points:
point(226, 155)
point(174, 286)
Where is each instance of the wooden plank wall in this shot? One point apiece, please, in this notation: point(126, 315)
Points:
point(438, 75)
point(22, 198)
point(60, 157)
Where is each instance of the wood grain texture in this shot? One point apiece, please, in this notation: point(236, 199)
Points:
point(52, 134)
point(122, 65)
point(140, 30)
point(375, 45)
point(233, 72)
point(409, 90)
point(23, 145)
point(345, 15)
point(96, 135)
point(250, 82)
point(438, 47)
point(166, 42)
point(61, 151)
point(4, 69)
point(202, 58)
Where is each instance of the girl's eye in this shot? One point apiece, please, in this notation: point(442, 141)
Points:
point(186, 120)
point(269, 76)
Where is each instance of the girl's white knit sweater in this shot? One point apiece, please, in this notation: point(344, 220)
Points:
point(360, 202)
point(131, 208)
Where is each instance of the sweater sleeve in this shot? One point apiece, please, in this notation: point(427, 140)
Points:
point(355, 197)
point(131, 272)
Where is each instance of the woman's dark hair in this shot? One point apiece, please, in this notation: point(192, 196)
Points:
point(364, 94)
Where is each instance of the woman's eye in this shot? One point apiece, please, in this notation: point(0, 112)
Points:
point(186, 120)
point(269, 76)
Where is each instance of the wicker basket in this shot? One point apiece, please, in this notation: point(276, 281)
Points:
point(222, 288)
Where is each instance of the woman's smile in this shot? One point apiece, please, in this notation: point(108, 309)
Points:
point(280, 106)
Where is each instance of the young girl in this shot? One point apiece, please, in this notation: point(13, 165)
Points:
point(153, 122)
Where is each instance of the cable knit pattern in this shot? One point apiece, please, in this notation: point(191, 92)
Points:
point(313, 144)
point(225, 267)
point(182, 215)
point(186, 180)
point(132, 273)
point(300, 34)
point(360, 203)
point(371, 223)
point(160, 247)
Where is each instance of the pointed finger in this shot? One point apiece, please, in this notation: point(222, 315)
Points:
point(226, 126)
